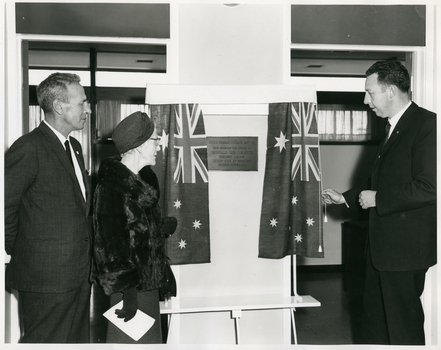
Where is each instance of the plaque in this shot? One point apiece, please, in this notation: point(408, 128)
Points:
point(232, 153)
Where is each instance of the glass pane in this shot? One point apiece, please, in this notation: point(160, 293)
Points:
point(58, 59)
point(343, 123)
point(36, 76)
point(143, 62)
point(338, 63)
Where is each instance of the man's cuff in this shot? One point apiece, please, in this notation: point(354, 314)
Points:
point(346, 203)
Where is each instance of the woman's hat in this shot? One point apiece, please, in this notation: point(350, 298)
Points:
point(133, 131)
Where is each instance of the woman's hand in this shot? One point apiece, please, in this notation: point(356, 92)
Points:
point(130, 305)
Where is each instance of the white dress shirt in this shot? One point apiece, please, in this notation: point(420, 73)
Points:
point(74, 159)
point(394, 120)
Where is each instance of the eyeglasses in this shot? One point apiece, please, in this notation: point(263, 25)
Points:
point(156, 139)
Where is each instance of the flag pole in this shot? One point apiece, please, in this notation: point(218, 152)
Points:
point(325, 219)
point(294, 278)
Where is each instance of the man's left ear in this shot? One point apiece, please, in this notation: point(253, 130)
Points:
point(57, 106)
point(392, 90)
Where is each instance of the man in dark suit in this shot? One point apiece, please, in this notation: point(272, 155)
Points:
point(402, 210)
point(47, 224)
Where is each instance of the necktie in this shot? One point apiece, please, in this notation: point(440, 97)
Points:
point(69, 155)
point(79, 176)
point(386, 136)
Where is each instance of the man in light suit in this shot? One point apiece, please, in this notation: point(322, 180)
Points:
point(47, 224)
point(402, 211)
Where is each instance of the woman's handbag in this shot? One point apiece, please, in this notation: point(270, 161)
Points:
point(168, 288)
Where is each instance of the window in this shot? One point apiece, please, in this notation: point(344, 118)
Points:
point(343, 123)
point(343, 117)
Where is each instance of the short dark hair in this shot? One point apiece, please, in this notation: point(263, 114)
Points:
point(391, 72)
point(54, 87)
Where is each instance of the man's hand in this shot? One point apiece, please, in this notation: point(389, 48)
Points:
point(130, 305)
point(331, 196)
point(367, 199)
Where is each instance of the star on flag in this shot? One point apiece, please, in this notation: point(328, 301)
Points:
point(294, 200)
point(182, 244)
point(281, 142)
point(273, 222)
point(197, 224)
point(163, 141)
point(310, 221)
point(177, 204)
point(298, 237)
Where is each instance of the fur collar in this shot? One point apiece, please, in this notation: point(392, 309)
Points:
point(116, 175)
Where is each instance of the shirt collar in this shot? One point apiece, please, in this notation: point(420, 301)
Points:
point(57, 133)
point(394, 120)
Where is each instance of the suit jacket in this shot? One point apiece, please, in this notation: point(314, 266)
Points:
point(402, 226)
point(47, 224)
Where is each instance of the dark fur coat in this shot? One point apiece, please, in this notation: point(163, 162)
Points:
point(129, 245)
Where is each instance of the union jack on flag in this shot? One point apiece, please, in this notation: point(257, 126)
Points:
point(188, 141)
point(305, 140)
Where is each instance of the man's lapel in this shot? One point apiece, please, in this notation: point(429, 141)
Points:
point(60, 153)
point(401, 126)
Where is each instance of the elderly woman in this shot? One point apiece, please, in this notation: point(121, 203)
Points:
point(129, 247)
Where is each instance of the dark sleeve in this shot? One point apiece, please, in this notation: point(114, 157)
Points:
point(21, 167)
point(351, 197)
point(116, 271)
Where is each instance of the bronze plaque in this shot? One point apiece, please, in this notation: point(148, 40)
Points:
point(232, 153)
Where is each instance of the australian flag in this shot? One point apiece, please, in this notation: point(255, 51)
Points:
point(182, 162)
point(291, 217)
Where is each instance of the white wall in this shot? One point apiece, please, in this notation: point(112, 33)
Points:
point(219, 45)
point(240, 45)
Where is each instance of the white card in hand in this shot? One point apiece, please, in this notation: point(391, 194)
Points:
point(136, 327)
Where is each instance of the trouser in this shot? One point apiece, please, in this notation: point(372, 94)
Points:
point(392, 309)
point(56, 317)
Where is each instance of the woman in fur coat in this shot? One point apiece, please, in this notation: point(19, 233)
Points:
point(129, 247)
